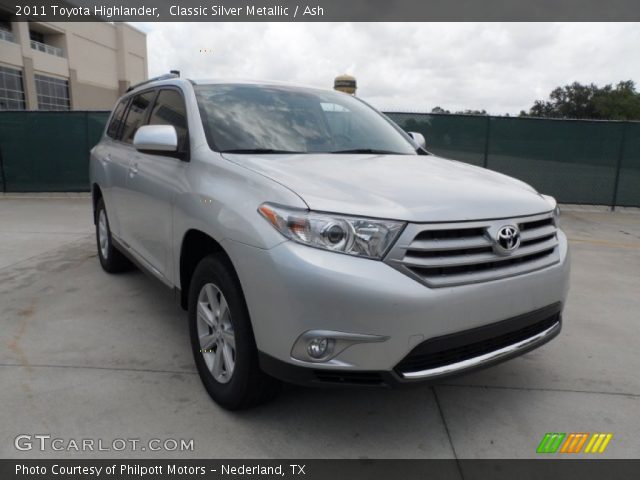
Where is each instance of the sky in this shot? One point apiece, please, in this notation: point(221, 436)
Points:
point(499, 67)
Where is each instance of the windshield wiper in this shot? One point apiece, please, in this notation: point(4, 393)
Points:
point(368, 150)
point(258, 150)
point(273, 150)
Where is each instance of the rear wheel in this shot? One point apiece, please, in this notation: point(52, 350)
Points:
point(222, 339)
point(111, 259)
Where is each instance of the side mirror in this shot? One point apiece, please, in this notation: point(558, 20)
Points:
point(418, 139)
point(156, 138)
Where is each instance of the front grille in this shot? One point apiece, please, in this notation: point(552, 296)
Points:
point(457, 347)
point(448, 254)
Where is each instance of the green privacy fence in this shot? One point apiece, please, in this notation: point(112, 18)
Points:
point(47, 151)
point(576, 161)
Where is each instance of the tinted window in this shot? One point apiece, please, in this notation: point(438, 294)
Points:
point(265, 117)
point(36, 36)
point(169, 109)
point(137, 113)
point(52, 93)
point(116, 119)
point(11, 90)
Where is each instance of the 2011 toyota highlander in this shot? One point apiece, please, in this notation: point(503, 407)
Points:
point(311, 240)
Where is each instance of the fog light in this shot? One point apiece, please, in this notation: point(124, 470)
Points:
point(322, 346)
point(318, 347)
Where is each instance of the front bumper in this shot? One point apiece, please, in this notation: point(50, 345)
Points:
point(445, 356)
point(291, 289)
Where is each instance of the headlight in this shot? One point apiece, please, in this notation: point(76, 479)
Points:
point(363, 237)
point(556, 214)
point(556, 208)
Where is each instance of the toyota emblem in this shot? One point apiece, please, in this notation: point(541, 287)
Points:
point(508, 239)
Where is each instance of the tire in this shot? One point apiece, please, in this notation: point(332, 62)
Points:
point(111, 259)
point(222, 340)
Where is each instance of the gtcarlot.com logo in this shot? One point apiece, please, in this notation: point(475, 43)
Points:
point(574, 442)
point(47, 442)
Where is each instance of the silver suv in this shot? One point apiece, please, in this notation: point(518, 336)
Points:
point(311, 240)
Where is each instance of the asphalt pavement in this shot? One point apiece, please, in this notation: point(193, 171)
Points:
point(87, 355)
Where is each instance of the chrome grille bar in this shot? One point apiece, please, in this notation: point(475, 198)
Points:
point(448, 254)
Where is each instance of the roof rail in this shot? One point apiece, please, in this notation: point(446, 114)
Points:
point(166, 76)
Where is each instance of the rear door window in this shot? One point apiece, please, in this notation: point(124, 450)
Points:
point(116, 119)
point(137, 114)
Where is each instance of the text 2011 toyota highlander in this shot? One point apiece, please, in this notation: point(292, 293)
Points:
point(313, 241)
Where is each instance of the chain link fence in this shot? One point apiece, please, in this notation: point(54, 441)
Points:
point(577, 161)
point(47, 151)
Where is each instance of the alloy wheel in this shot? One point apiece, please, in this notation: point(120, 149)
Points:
point(103, 234)
point(215, 332)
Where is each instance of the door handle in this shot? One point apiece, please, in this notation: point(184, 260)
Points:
point(133, 170)
point(106, 159)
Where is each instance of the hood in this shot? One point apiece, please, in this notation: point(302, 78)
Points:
point(416, 188)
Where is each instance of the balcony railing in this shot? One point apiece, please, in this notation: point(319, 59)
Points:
point(7, 36)
point(43, 47)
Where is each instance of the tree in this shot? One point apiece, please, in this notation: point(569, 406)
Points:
point(472, 112)
point(621, 102)
point(460, 112)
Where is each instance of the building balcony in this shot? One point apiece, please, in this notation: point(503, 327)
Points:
point(49, 49)
point(7, 36)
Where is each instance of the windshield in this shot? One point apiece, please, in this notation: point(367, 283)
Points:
point(274, 119)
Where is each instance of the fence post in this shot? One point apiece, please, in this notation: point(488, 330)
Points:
point(3, 181)
point(86, 131)
point(619, 166)
point(486, 142)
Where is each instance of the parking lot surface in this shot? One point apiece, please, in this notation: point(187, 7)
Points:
point(85, 354)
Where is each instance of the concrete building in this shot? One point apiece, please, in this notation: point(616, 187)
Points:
point(68, 66)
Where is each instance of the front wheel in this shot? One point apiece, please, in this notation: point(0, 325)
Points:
point(222, 339)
